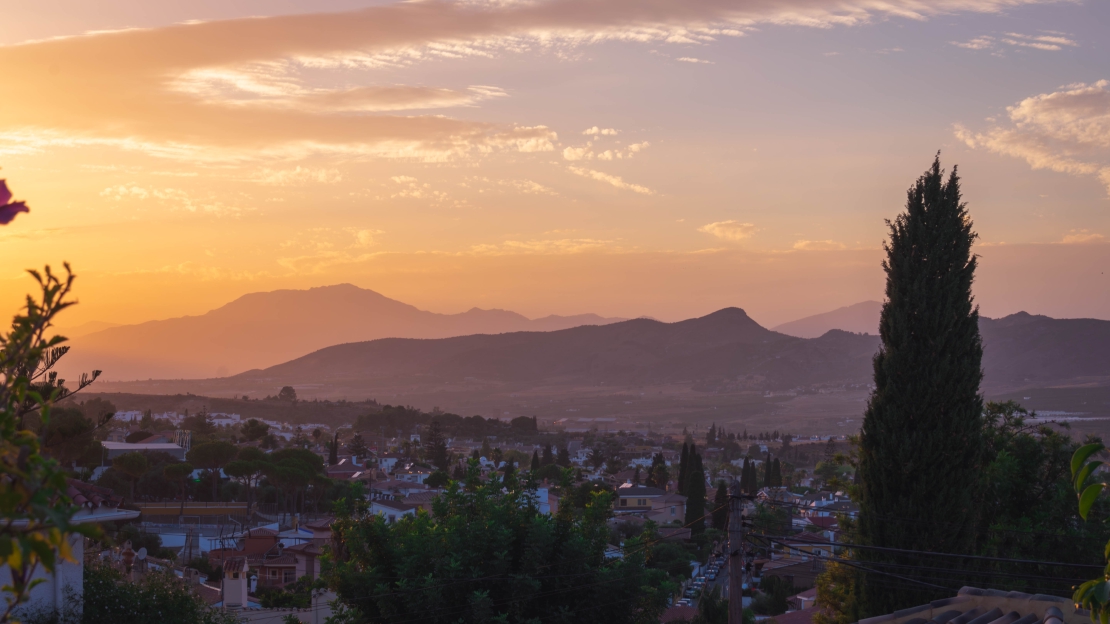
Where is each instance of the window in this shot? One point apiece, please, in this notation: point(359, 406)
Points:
point(672, 510)
point(641, 502)
point(288, 576)
point(273, 573)
point(624, 502)
point(392, 518)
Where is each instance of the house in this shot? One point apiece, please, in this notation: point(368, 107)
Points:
point(987, 605)
point(394, 489)
point(388, 461)
point(412, 474)
point(115, 449)
point(344, 469)
point(392, 510)
point(636, 498)
point(95, 505)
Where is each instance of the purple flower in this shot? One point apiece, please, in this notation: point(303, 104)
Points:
point(8, 208)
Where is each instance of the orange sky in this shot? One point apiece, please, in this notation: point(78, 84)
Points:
point(558, 156)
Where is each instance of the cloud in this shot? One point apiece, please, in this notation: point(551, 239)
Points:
point(165, 90)
point(545, 247)
point(1053, 42)
point(297, 176)
point(690, 59)
point(176, 199)
point(610, 179)
point(729, 230)
point(1067, 131)
point(595, 131)
point(1082, 237)
point(365, 238)
point(822, 245)
point(577, 153)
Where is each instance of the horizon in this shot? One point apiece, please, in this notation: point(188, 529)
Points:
point(548, 158)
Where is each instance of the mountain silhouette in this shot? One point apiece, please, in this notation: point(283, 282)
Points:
point(862, 318)
point(265, 328)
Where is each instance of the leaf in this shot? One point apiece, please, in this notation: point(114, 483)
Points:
point(1084, 473)
point(1082, 453)
point(1088, 497)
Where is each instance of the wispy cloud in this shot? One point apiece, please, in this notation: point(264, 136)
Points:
point(616, 181)
point(1067, 131)
point(1053, 42)
point(233, 89)
point(1082, 237)
point(729, 230)
point(821, 245)
point(690, 59)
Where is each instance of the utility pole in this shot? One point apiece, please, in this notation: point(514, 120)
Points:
point(735, 555)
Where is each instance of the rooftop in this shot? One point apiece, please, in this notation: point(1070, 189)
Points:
point(988, 606)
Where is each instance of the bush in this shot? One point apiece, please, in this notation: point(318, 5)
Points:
point(159, 598)
point(294, 596)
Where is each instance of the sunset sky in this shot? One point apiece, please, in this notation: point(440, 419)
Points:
point(623, 157)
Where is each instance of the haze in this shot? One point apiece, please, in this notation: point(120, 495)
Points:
point(615, 157)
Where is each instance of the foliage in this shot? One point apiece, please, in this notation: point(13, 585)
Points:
point(132, 465)
point(1093, 595)
point(712, 609)
point(773, 597)
point(212, 456)
point(254, 429)
point(35, 513)
point(695, 493)
point(287, 393)
point(296, 595)
point(357, 447)
point(437, 479)
point(435, 446)
point(922, 439)
point(673, 558)
point(159, 598)
point(836, 595)
point(720, 507)
point(486, 554)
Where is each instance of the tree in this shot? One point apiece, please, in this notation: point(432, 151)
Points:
point(248, 467)
point(68, 436)
point(459, 554)
point(597, 458)
point(695, 495)
point(683, 469)
point(535, 461)
point(548, 457)
point(776, 473)
point(563, 458)
point(720, 507)
point(287, 393)
point(159, 597)
point(921, 446)
point(178, 473)
point(133, 465)
point(200, 423)
point(254, 429)
point(486, 450)
point(711, 435)
point(437, 479)
point(212, 456)
point(333, 450)
point(357, 447)
point(435, 446)
point(316, 433)
point(657, 475)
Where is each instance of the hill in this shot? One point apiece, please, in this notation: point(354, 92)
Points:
point(266, 328)
point(860, 318)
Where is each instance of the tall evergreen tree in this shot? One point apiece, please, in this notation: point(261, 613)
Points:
point(695, 495)
point(746, 477)
point(548, 457)
point(776, 473)
point(535, 460)
point(922, 438)
point(767, 471)
point(683, 469)
point(720, 507)
point(563, 458)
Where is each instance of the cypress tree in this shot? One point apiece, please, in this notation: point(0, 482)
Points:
point(922, 438)
point(548, 457)
point(767, 471)
point(535, 460)
point(720, 507)
point(776, 473)
point(683, 466)
point(695, 495)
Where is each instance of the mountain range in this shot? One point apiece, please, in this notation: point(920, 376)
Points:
point(861, 318)
point(263, 329)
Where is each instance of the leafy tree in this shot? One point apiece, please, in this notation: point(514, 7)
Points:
point(287, 393)
point(921, 447)
point(437, 479)
point(658, 476)
point(486, 450)
point(212, 456)
point(158, 598)
point(178, 473)
point(68, 436)
point(254, 429)
point(486, 554)
point(712, 609)
point(199, 423)
point(548, 457)
point(133, 465)
point(720, 507)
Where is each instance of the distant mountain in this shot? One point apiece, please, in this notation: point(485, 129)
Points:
point(85, 329)
point(726, 346)
point(263, 329)
point(861, 318)
point(1023, 350)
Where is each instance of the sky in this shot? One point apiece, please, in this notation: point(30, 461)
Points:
point(622, 157)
